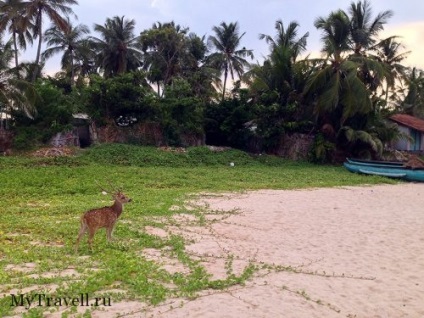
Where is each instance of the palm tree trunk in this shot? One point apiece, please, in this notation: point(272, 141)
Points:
point(15, 46)
point(72, 68)
point(40, 40)
point(387, 94)
point(225, 82)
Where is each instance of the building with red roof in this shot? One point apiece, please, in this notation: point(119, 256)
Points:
point(413, 127)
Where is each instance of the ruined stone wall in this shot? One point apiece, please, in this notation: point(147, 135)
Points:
point(6, 139)
point(294, 146)
point(65, 139)
point(143, 134)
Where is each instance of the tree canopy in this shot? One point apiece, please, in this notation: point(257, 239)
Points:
point(208, 84)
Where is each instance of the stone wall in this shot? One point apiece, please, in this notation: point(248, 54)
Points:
point(6, 139)
point(192, 140)
point(144, 134)
point(65, 139)
point(294, 146)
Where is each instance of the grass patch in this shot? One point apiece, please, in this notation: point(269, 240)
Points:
point(43, 198)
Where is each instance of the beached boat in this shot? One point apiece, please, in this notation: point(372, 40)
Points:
point(386, 169)
point(375, 163)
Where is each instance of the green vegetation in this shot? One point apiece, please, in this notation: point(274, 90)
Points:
point(43, 198)
point(178, 81)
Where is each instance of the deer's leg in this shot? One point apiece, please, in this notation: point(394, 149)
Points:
point(82, 231)
point(109, 232)
point(91, 233)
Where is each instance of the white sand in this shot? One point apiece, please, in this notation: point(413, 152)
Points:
point(356, 252)
point(363, 245)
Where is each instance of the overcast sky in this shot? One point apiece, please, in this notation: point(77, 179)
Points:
point(254, 17)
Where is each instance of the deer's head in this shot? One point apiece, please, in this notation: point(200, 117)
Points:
point(121, 197)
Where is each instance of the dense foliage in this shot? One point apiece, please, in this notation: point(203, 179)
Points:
point(180, 81)
point(54, 114)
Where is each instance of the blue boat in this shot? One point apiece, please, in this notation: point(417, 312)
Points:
point(375, 163)
point(381, 168)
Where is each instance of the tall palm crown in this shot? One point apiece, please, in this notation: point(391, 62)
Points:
point(285, 48)
point(413, 103)
point(85, 59)
point(164, 47)
point(202, 78)
point(336, 83)
point(277, 84)
point(118, 50)
point(53, 9)
point(14, 20)
point(335, 34)
point(287, 38)
point(363, 27)
point(67, 41)
point(347, 44)
point(228, 58)
point(388, 52)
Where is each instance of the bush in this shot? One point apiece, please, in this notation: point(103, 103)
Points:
point(26, 138)
point(54, 114)
point(321, 150)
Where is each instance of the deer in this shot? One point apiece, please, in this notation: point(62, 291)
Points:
point(105, 217)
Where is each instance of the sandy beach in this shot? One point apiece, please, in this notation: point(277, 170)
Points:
point(354, 251)
point(333, 252)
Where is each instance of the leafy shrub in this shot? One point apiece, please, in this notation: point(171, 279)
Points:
point(26, 138)
point(225, 122)
point(117, 96)
point(54, 114)
point(321, 150)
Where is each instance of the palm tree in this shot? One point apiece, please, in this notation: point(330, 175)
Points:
point(363, 27)
point(202, 78)
point(350, 77)
point(342, 101)
point(344, 88)
point(68, 42)
point(53, 9)
point(364, 30)
point(14, 20)
point(165, 46)
point(277, 85)
point(15, 94)
point(287, 38)
point(285, 48)
point(388, 53)
point(336, 83)
point(118, 50)
point(413, 102)
point(228, 58)
point(85, 59)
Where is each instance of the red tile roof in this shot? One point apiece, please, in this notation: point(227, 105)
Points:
point(409, 121)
